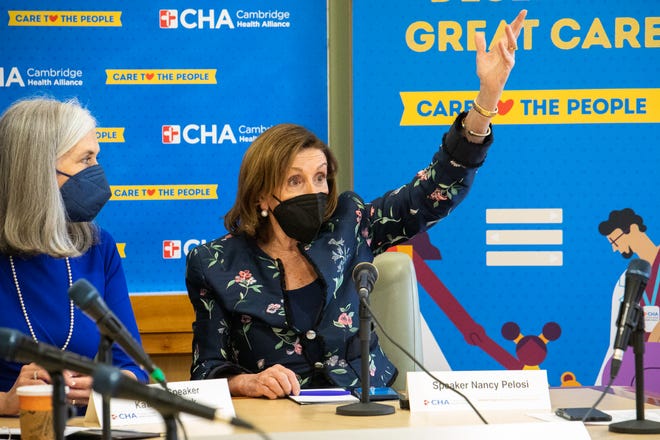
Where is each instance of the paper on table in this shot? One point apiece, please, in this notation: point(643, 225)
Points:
point(323, 395)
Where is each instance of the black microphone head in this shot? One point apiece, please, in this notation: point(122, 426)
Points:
point(106, 379)
point(367, 267)
point(82, 293)
point(639, 267)
point(9, 340)
point(637, 275)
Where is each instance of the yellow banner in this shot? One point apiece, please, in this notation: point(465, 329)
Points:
point(160, 76)
point(121, 248)
point(110, 134)
point(65, 18)
point(588, 106)
point(164, 192)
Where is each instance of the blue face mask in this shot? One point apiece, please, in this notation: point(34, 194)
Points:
point(85, 193)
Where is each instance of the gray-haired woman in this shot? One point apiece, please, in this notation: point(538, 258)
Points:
point(51, 188)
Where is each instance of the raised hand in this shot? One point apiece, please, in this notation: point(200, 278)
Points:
point(494, 67)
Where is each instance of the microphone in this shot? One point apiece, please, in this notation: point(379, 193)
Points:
point(18, 347)
point(111, 381)
point(87, 298)
point(365, 275)
point(637, 275)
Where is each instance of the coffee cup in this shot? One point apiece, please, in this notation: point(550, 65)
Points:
point(36, 412)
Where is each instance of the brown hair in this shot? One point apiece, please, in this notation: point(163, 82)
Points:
point(264, 169)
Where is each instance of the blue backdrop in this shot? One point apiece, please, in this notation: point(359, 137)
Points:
point(180, 89)
point(575, 139)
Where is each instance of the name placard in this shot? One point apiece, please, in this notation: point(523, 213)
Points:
point(124, 412)
point(488, 390)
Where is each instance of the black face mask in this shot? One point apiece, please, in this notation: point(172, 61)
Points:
point(301, 217)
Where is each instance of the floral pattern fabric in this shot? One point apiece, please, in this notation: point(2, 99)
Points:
point(243, 323)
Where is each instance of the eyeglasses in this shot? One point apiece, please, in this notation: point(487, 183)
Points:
point(616, 239)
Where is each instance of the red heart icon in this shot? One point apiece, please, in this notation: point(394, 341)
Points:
point(504, 107)
point(52, 17)
point(151, 192)
point(150, 76)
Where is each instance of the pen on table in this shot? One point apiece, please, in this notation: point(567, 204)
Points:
point(324, 392)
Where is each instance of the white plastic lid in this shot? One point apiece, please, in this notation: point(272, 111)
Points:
point(35, 390)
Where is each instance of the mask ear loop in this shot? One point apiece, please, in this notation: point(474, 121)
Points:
point(275, 197)
point(64, 174)
point(264, 212)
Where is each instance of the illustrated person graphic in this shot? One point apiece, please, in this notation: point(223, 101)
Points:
point(626, 232)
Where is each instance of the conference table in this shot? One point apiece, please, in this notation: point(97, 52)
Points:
point(285, 419)
point(287, 416)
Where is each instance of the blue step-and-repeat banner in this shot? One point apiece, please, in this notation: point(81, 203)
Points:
point(180, 89)
point(519, 275)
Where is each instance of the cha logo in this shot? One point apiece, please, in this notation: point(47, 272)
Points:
point(436, 402)
point(123, 416)
point(171, 134)
point(197, 134)
point(194, 19)
point(13, 77)
point(172, 249)
point(651, 314)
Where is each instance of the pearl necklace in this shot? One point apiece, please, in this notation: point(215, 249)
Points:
point(25, 314)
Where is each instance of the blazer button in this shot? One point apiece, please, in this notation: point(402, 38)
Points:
point(311, 334)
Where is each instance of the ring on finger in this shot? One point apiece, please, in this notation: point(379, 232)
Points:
point(513, 47)
point(35, 374)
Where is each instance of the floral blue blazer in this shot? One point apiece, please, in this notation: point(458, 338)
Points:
point(242, 319)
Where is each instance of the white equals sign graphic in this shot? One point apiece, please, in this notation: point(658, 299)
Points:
point(524, 237)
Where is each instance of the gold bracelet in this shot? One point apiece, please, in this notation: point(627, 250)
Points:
point(482, 111)
point(474, 133)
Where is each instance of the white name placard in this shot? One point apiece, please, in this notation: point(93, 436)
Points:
point(124, 412)
point(488, 390)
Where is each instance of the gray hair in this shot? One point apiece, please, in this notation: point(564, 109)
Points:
point(34, 133)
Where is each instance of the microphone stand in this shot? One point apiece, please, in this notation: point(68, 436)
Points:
point(639, 425)
point(364, 407)
point(104, 356)
point(170, 426)
point(60, 413)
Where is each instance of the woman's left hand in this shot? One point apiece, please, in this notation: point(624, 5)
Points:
point(80, 387)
